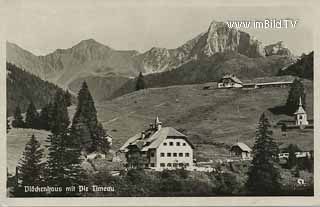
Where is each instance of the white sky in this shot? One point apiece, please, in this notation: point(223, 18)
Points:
point(43, 26)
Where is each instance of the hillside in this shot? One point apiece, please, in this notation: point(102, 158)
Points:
point(210, 118)
point(302, 68)
point(16, 141)
point(210, 69)
point(103, 88)
point(23, 87)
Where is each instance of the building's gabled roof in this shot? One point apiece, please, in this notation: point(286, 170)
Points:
point(155, 139)
point(300, 110)
point(130, 140)
point(232, 77)
point(242, 146)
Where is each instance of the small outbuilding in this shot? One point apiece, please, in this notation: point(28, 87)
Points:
point(241, 150)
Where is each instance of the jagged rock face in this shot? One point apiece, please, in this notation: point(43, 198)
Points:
point(277, 49)
point(218, 38)
point(155, 60)
point(162, 59)
point(221, 38)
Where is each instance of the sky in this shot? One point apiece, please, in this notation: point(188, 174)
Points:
point(44, 26)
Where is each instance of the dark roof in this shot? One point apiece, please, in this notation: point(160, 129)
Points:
point(154, 139)
point(232, 77)
point(242, 146)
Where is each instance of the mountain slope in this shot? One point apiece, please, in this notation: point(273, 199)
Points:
point(23, 87)
point(64, 65)
point(208, 69)
point(302, 68)
point(210, 118)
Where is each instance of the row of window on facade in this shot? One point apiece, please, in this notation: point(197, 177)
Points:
point(171, 144)
point(170, 165)
point(169, 154)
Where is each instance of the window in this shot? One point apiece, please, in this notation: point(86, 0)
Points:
point(171, 143)
point(184, 144)
point(180, 164)
point(169, 164)
point(174, 154)
point(165, 144)
point(180, 154)
point(162, 165)
point(187, 154)
point(175, 164)
point(152, 154)
point(152, 165)
point(168, 154)
point(178, 143)
point(161, 154)
point(187, 164)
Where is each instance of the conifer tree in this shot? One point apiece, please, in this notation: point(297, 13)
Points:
point(58, 114)
point(140, 82)
point(63, 165)
point(32, 117)
point(85, 122)
point(56, 169)
point(44, 117)
point(296, 91)
point(102, 144)
point(31, 167)
point(68, 98)
point(18, 119)
point(64, 161)
point(263, 174)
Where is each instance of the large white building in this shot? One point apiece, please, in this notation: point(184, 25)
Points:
point(159, 148)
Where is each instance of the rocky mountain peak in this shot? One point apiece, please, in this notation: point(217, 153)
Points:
point(277, 48)
point(90, 43)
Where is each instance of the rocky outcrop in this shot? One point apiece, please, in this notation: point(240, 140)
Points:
point(277, 49)
point(221, 38)
point(218, 38)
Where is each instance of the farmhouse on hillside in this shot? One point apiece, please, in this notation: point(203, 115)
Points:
point(229, 81)
point(158, 148)
point(241, 151)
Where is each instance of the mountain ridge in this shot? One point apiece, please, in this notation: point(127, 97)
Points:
point(89, 57)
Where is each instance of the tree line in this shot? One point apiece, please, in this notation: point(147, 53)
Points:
point(22, 87)
point(66, 144)
point(37, 120)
